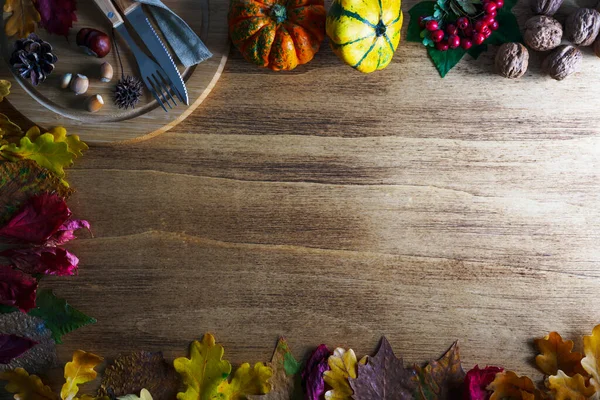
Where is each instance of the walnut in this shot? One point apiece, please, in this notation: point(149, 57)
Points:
point(546, 7)
point(512, 60)
point(562, 62)
point(582, 26)
point(543, 33)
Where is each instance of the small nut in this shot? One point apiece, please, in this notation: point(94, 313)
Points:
point(562, 62)
point(94, 103)
point(80, 84)
point(94, 42)
point(546, 7)
point(106, 72)
point(542, 33)
point(65, 80)
point(512, 60)
point(582, 26)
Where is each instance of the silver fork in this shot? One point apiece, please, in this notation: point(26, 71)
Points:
point(153, 75)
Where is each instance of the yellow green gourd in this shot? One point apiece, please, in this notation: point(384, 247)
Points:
point(365, 33)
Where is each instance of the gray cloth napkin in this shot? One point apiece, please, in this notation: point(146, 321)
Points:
point(185, 43)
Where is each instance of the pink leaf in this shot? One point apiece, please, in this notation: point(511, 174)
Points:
point(39, 218)
point(57, 16)
point(66, 232)
point(12, 346)
point(477, 380)
point(17, 289)
point(312, 375)
point(43, 260)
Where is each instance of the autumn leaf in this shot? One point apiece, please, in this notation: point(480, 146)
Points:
point(76, 146)
point(477, 380)
point(37, 220)
point(564, 387)
point(312, 375)
point(204, 371)
point(4, 90)
point(556, 355)
point(58, 315)
point(342, 364)
point(43, 260)
point(285, 381)
point(20, 181)
point(440, 379)
point(508, 386)
point(22, 21)
point(247, 381)
point(591, 361)
point(383, 377)
point(130, 373)
point(57, 16)
point(12, 346)
point(25, 386)
point(144, 395)
point(79, 371)
point(17, 289)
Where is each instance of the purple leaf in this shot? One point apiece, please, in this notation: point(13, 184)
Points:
point(43, 260)
point(477, 381)
point(17, 289)
point(39, 218)
point(57, 16)
point(12, 346)
point(66, 231)
point(312, 375)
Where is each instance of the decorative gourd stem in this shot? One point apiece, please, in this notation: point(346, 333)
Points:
point(278, 13)
point(380, 28)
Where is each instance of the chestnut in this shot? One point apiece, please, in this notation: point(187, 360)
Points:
point(94, 42)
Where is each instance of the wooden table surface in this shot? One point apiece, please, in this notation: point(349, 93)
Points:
point(330, 206)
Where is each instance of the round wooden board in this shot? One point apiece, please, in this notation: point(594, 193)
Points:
point(47, 105)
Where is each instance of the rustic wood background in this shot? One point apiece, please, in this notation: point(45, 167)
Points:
point(330, 206)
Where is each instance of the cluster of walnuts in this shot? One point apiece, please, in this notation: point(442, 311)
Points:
point(544, 33)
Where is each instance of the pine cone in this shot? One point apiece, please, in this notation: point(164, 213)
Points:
point(33, 59)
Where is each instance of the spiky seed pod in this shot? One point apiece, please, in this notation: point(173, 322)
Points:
point(128, 92)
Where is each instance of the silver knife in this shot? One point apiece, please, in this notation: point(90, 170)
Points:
point(137, 18)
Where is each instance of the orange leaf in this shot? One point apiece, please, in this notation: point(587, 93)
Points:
point(508, 386)
point(556, 354)
point(564, 387)
point(22, 21)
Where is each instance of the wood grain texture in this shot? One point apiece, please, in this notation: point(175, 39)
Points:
point(329, 206)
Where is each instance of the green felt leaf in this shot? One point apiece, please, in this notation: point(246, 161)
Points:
point(425, 8)
point(7, 309)
point(444, 61)
point(508, 31)
point(476, 51)
point(58, 316)
point(291, 366)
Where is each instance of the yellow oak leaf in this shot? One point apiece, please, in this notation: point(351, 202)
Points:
point(144, 395)
point(247, 381)
point(76, 146)
point(23, 19)
point(79, 371)
point(204, 371)
point(44, 150)
point(591, 361)
point(508, 386)
point(564, 387)
point(557, 354)
point(25, 386)
point(342, 364)
point(4, 88)
point(8, 128)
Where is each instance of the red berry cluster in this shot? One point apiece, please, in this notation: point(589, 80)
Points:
point(465, 31)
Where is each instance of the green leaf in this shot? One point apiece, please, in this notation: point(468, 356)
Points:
point(476, 51)
point(467, 6)
point(508, 31)
point(427, 42)
point(413, 33)
point(508, 5)
point(58, 316)
point(291, 366)
point(438, 14)
point(7, 309)
point(45, 151)
point(444, 61)
point(455, 9)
